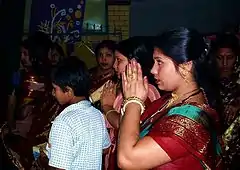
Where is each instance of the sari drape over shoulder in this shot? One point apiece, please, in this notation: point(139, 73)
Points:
point(98, 81)
point(187, 133)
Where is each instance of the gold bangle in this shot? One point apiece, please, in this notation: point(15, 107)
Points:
point(133, 100)
point(112, 110)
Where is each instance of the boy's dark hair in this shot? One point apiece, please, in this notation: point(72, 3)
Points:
point(72, 73)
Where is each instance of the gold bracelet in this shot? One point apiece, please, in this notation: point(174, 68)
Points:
point(132, 100)
point(112, 110)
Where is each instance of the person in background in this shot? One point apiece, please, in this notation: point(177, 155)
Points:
point(57, 54)
point(78, 134)
point(181, 131)
point(104, 70)
point(35, 106)
point(226, 52)
point(25, 60)
point(25, 64)
point(139, 49)
point(25, 90)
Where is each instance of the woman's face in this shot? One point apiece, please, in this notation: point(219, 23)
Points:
point(54, 57)
point(226, 60)
point(25, 61)
point(120, 63)
point(164, 71)
point(105, 58)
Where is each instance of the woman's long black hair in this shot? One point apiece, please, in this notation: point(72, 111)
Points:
point(183, 45)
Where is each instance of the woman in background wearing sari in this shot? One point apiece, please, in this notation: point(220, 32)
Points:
point(226, 51)
point(181, 129)
point(112, 98)
point(36, 106)
point(104, 70)
point(28, 83)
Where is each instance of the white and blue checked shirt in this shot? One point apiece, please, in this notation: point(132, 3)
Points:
point(77, 138)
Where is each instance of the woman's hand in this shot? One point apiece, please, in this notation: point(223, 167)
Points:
point(133, 83)
point(108, 94)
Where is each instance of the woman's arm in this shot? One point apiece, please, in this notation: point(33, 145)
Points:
point(112, 116)
point(135, 153)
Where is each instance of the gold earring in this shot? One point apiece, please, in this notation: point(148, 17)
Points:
point(185, 75)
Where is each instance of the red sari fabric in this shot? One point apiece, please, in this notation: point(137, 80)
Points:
point(187, 142)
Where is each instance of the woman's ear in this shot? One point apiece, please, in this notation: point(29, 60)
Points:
point(186, 70)
point(188, 66)
point(69, 91)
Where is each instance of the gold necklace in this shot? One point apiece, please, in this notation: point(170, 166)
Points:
point(176, 97)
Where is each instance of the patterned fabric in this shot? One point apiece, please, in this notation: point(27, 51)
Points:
point(230, 93)
point(98, 81)
point(191, 128)
point(77, 138)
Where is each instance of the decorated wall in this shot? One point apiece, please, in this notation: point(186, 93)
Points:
point(62, 20)
point(78, 25)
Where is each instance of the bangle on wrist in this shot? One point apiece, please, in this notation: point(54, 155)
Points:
point(110, 111)
point(132, 100)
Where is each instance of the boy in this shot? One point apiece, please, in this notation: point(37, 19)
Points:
point(78, 135)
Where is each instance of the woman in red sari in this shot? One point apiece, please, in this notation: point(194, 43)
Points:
point(181, 130)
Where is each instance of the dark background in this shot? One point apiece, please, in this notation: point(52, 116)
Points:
point(150, 17)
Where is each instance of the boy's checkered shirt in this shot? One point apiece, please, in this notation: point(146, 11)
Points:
point(77, 138)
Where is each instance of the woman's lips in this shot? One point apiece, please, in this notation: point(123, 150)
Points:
point(157, 81)
point(225, 69)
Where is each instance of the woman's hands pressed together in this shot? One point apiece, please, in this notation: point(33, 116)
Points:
point(133, 83)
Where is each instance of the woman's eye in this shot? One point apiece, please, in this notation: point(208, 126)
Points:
point(159, 62)
point(230, 56)
point(109, 55)
point(219, 57)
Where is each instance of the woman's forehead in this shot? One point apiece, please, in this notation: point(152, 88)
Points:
point(225, 50)
point(159, 54)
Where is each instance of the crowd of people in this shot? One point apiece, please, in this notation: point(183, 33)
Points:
point(167, 102)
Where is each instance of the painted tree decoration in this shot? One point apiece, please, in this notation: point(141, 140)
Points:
point(63, 21)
